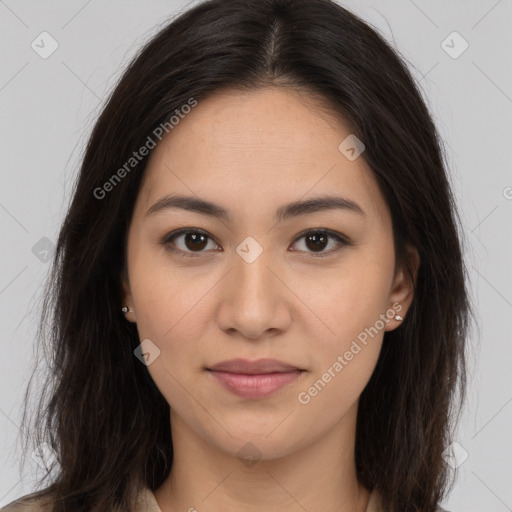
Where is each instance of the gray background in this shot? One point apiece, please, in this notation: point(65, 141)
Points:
point(47, 109)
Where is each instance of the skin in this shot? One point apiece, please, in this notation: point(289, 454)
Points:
point(251, 153)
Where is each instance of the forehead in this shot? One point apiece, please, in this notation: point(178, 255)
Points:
point(258, 147)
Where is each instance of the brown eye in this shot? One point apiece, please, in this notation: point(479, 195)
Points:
point(195, 241)
point(187, 242)
point(316, 241)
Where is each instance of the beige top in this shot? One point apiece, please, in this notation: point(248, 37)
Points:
point(147, 503)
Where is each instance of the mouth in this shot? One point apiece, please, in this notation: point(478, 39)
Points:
point(254, 379)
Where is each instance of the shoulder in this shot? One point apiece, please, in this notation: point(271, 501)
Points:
point(34, 502)
point(28, 503)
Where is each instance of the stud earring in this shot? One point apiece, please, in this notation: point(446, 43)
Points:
point(398, 317)
point(126, 310)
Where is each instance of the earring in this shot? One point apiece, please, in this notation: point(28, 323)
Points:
point(126, 310)
point(398, 317)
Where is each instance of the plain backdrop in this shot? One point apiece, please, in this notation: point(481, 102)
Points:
point(47, 109)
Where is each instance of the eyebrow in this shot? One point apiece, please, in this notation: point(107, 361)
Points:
point(294, 209)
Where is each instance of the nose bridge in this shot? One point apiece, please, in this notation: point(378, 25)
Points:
point(254, 302)
point(253, 279)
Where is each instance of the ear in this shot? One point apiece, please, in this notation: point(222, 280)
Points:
point(127, 298)
point(402, 292)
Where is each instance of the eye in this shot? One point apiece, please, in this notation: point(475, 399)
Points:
point(195, 241)
point(318, 239)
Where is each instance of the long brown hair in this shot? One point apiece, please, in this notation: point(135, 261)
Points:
point(100, 412)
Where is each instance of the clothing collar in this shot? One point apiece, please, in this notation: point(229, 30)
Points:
point(147, 502)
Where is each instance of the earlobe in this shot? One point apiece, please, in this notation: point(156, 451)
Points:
point(404, 285)
point(127, 308)
point(129, 314)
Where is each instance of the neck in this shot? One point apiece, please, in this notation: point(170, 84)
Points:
point(319, 476)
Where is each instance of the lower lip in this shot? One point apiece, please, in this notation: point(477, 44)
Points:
point(255, 386)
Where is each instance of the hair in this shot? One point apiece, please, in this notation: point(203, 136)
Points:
point(100, 411)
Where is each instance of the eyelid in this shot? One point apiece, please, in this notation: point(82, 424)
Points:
point(341, 239)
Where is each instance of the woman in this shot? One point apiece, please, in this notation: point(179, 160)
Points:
point(258, 298)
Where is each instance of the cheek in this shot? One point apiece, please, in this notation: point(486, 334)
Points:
point(350, 306)
point(344, 363)
point(348, 300)
point(173, 316)
point(172, 312)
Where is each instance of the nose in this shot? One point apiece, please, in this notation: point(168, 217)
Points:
point(255, 301)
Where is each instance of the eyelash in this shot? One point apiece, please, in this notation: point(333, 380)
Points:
point(170, 237)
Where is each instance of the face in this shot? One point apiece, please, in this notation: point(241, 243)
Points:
point(311, 287)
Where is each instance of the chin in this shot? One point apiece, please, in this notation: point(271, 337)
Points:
point(252, 444)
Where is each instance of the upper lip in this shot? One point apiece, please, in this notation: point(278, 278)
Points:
point(253, 367)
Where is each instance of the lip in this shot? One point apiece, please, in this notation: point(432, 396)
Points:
point(254, 379)
point(256, 367)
